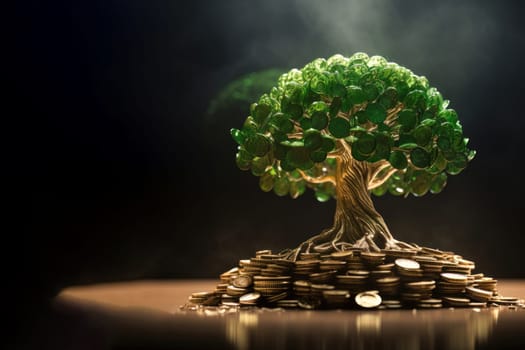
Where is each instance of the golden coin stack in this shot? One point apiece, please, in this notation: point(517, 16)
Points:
point(390, 279)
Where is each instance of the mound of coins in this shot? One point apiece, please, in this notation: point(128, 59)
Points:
point(391, 279)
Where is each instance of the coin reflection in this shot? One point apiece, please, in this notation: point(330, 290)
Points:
point(403, 329)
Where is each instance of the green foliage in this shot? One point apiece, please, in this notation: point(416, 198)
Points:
point(383, 111)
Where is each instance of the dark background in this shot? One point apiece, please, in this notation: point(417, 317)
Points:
point(121, 174)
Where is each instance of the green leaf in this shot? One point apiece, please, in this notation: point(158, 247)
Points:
point(266, 182)
point(257, 145)
point(389, 98)
point(259, 165)
point(416, 99)
point(243, 163)
point(294, 110)
point(312, 139)
point(398, 160)
point(407, 118)
point(420, 158)
point(362, 117)
point(328, 144)
point(376, 113)
point(335, 106)
point(355, 94)
point(297, 188)
point(420, 183)
point(422, 134)
point(319, 120)
point(318, 156)
point(365, 144)
point(237, 136)
point(260, 112)
point(299, 157)
point(281, 186)
point(339, 127)
point(438, 183)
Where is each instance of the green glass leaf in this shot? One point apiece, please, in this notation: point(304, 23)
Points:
point(249, 127)
point(286, 165)
point(382, 149)
point(398, 160)
point(259, 165)
point(299, 157)
point(266, 182)
point(408, 146)
point(422, 134)
point(242, 162)
point(319, 106)
point(420, 158)
point(297, 188)
point(294, 110)
point(389, 98)
point(339, 127)
point(335, 106)
point(444, 143)
point(260, 112)
point(319, 120)
point(322, 196)
point(439, 164)
point(471, 155)
point(338, 90)
point(407, 118)
point(420, 183)
point(327, 145)
point(416, 99)
point(281, 186)
point(257, 145)
point(365, 144)
point(237, 136)
point(312, 139)
point(456, 165)
point(406, 141)
point(306, 123)
point(279, 151)
point(376, 113)
point(438, 183)
point(449, 115)
point(357, 155)
point(356, 95)
point(279, 136)
point(362, 117)
point(318, 156)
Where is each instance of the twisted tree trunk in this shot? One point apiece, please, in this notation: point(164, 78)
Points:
point(357, 224)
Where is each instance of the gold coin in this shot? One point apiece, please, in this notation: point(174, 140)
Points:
point(368, 300)
point(407, 264)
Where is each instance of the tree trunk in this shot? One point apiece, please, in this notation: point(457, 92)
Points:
point(356, 222)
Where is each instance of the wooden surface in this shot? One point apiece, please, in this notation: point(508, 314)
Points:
point(146, 314)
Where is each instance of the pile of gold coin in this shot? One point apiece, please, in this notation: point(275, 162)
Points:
point(390, 279)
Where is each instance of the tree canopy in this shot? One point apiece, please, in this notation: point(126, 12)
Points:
point(383, 111)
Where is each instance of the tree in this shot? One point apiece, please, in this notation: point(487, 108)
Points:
point(348, 127)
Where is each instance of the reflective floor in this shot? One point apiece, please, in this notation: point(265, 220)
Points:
point(146, 315)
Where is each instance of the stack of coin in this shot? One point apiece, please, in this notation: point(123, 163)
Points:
point(272, 286)
point(352, 283)
point(452, 283)
point(408, 269)
point(336, 298)
point(303, 268)
point(388, 286)
point(478, 294)
point(372, 259)
point(302, 288)
point(420, 277)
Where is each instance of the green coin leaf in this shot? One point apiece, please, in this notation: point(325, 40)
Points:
point(338, 90)
point(449, 115)
point(339, 127)
point(237, 136)
point(376, 113)
point(319, 120)
point(456, 165)
point(356, 95)
point(420, 183)
point(416, 99)
point(335, 106)
point(422, 134)
point(249, 127)
point(438, 183)
point(420, 158)
point(381, 190)
point(266, 182)
point(294, 110)
point(242, 162)
point(281, 186)
point(362, 117)
point(297, 188)
point(299, 157)
point(398, 160)
point(257, 145)
point(306, 123)
point(382, 149)
point(357, 155)
point(389, 98)
point(312, 139)
point(259, 165)
point(407, 118)
point(260, 112)
point(365, 144)
point(328, 144)
point(318, 156)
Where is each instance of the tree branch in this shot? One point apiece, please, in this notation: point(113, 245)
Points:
point(380, 174)
point(319, 179)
